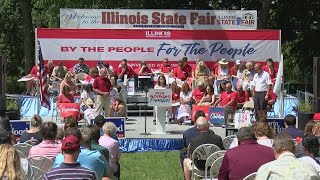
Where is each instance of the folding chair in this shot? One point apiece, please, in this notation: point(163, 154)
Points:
point(202, 153)
point(227, 141)
point(42, 162)
point(32, 143)
point(215, 167)
point(251, 176)
point(211, 160)
point(37, 173)
point(21, 155)
point(24, 148)
point(55, 108)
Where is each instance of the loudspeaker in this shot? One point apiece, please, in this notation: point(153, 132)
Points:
point(3, 78)
point(316, 84)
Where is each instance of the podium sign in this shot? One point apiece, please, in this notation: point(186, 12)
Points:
point(160, 97)
point(120, 124)
point(19, 126)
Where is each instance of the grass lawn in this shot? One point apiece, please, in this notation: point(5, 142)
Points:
point(151, 165)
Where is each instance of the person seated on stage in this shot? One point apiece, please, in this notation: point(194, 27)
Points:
point(117, 107)
point(65, 96)
point(222, 86)
point(311, 148)
point(59, 72)
point(193, 73)
point(180, 72)
point(123, 69)
point(99, 65)
point(205, 137)
point(110, 69)
point(143, 70)
point(33, 134)
point(49, 146)
point(87, 94)
point(214, 67)
point(93, 73)
point(175, 98)
point(236, 66)
point(269, 68)
point(81, 67)
point(49, 67)
point(228, 101)
point(68, 82)
point(166, 68)
point(185, 103)
point(32, 82)
point(242, 96)
point(202, 72)
point(223, 71)
point(208, 98)
point(198, 92)
point(250, 69)
point(290, 127)
point(240, 73)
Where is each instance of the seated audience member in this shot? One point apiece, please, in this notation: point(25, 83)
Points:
point(99, 65)
point(33, 134)
point(6, 125)
point(68, 82)
point(205, 137)
point(223, 71)
point(110, 69)
point(95, 130)
point(228, 101)
point(117, 107)
point(10, 165)
point(99, 121)
point(49, 146)
point(264, 134)
point(165, 68)
point(88, 158)
point(181, 72)
point(113, 146)
point(123, 69)
point(290, 129)
point(69, 123)
point(250, 69)
point(49, 67)
point(65, 96)
point(310, 126)
point(286, 165)
point(193, 73)
point(81, 67)
point(310, 144)
point(272, 97)
point(198, 92)
point(185, 103)
point(242, 96)
point(246, 158)
point(70, 168)
point(240, 74)
point(188, 135)
point(214, 67)
point(93, 73)
point(202, 72)
point(175, 98)
point(208, 98)
point(269, 68)
point(143, 70)
point(59, 72)
point(87, 94)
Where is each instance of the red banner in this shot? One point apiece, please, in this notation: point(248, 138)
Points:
point(69, 109)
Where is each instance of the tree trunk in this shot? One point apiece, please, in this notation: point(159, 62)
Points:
point(28, 42)
point(264, 13)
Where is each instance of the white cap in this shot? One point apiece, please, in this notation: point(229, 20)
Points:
point(238, 61)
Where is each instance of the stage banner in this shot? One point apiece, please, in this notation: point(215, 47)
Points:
point(19, 126)
point(136, 45)
point(160, 97)
point(69, 109)
point(216, 115)
point(158, 19)
point(276, 123)
point(196, 108)
point(120, 124)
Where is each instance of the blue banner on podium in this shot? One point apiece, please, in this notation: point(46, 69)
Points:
point(216, 115)
point(120, 124)
point(19, 126)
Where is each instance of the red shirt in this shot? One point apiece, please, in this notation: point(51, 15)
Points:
point(176, 95)
point(197, 94)
point(214, 67)
point(34, 71)
point(242, 97)
point(102, 84)
point(188, 69)
point(165, 69)
point(227, 97)
point(146, 70)
point(49, 70)
point(233, 71)
point(180, 73)
point(64, 99)
point(129, 71)
point(273, 76)
point(272, 96)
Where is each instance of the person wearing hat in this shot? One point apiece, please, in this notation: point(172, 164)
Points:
point(316, 117)
point(237, 65)
point(70, 168)
point(223, 71)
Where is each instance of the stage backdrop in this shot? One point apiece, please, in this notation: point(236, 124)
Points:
point(112, 45)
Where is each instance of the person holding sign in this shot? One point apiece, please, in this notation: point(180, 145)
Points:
point(102, 86)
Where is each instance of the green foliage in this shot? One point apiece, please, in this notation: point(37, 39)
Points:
point(12, 105)
point(305, 106)
point(13, 86)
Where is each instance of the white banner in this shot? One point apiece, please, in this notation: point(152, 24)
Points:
point(160, 97)
point(158, 19)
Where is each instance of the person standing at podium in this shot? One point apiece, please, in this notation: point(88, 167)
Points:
point(162, 84)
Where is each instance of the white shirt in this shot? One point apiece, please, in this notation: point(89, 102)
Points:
point(311, 161)
point(160, 87)
point(261, 81)
point(185, 97)
point(114, 94)
point(85, 95)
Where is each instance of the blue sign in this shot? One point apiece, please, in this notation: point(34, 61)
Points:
point(216, 115)
point(19, 126)
point(276, 123)
point(120, 124)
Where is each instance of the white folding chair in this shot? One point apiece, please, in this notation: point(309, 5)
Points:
point(202, 153)
point(227, 141)
point(42, 162)
point(37, 173)
point(55, 108)
point(251, 176)
point(24, 148)
point(21, 155)
point(32, 143)
point(215, 167)
point(211, 160)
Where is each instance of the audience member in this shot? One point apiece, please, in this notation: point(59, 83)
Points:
point(70, 168)
point(49, 146)
point(290, 129)
point(113, 146)
point(310, 144)
point(205, 137)
point(269, 68)
point(59, 72)
point(187, 66)
point(117, 107)
point(93, 73)
point(69, 123)
point(208, 98)
point(88, 158)
point(69, 83)
point(242, 96)
point(123, 69)
point(286, 165)
point(33, 134)
point(5, 124)
point(175, 98)
point(95, 130)
point(143, 70)
point(102, 87)
point(49, 67)
point(33, 75)
point(246, 158)
point(236, 66)
point(165, 68)
point(199, 91)
point(310, 126)
point(185, 103)
point(10, 167)
point(87, 98)
point(110, 69)
point(65, 96)
point(81, 67)
point(181, 72)
point(223, 71)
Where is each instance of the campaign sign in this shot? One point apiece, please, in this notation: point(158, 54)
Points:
point(69, 109)
point(160, 97)
point(231, 131)
point(120, 124)
point(276, 123)
point(216, 115)
point(19, 126)
point(196, 108)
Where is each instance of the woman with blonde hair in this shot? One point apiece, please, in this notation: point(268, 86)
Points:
point(10, 167)
point(202, 72)
point(33, 134)
point(68, 82)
